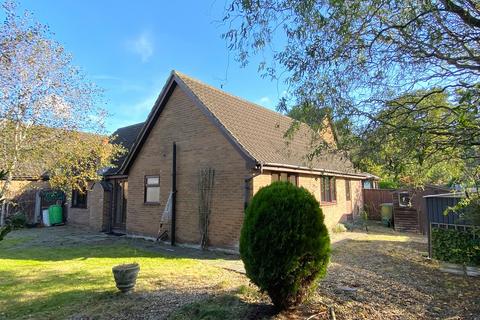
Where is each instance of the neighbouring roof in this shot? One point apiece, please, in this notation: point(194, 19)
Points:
point(126, 136)
point(257, 132)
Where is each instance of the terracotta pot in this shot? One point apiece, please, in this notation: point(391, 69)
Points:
point(126, 276)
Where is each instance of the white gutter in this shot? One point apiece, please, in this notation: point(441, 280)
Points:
point(300, 169)
point(447, 195)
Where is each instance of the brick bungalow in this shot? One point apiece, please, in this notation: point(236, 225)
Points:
point(242, 142)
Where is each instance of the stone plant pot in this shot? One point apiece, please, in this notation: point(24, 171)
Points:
point(126, 276)
point(473, 271)
point(452, 268)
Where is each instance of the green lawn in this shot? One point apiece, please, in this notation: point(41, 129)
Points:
point(64, 273)
point(38, 281)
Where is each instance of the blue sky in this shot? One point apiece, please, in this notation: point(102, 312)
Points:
point(129, 48)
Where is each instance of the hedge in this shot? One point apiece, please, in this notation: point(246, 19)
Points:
point(450, 245)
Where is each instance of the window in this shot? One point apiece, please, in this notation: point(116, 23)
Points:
point(152, 189)
point(283, 176)
point(348, 192)
point(293, 178)
point(404, 199)
point(328, 189)
point(79, 198)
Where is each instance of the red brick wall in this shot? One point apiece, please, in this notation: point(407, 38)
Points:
point(199, 145)
point(92, 215)
point(334, 213)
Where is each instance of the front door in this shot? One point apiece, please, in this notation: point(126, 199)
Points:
point(120, 194)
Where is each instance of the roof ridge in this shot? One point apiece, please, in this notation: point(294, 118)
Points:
point(253, 104)
point(132, 125)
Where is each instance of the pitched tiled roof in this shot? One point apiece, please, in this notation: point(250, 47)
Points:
point(125, 136)
point(261, 132)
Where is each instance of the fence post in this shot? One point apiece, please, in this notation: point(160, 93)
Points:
point(429, 239)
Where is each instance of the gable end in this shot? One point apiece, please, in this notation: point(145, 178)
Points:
point(159, 105)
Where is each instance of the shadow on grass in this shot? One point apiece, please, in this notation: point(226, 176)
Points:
point(67, 243)
point(227, 306)
point(177, 304)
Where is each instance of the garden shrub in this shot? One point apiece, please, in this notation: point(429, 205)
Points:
point(17, 220)
point(339, 228)
point(455, 246)
point(284, 243)
point(4, 231)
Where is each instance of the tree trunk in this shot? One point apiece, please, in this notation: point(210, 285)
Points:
point(3, 200)
point(2, 213)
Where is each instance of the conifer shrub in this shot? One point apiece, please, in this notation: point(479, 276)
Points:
point(284, 243)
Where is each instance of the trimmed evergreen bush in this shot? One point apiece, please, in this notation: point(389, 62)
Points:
point(284, 243)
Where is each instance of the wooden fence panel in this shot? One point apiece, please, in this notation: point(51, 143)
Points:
point(373, 198)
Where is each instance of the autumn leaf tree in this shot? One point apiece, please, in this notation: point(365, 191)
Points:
point(46, 107)
point(371, 62)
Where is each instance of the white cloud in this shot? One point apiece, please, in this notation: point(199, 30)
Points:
point(145, 105)
point(264, 101)
point(110, 82)
point(142, 45)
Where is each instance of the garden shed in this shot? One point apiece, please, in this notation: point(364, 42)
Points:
point(409, 210)
point(451, 238)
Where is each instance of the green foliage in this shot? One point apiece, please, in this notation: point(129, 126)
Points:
point(284, 243)
point(468, 209)
point(401, 147)
point(339, 228)
point(388, 184)
point(462, 247)
point(4, 231)
point(17, 221)
point(364, 61)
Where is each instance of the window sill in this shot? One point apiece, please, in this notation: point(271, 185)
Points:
point(151, 203)
point(327, 204)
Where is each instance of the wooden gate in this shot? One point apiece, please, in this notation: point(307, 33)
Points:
point(373, 198)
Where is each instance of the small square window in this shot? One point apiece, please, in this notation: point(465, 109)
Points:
point(152, 189)
point(153, 180)
point(79, 199)
point(404, 199)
